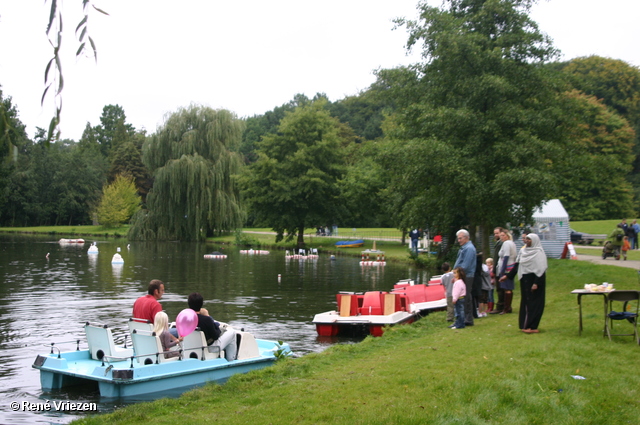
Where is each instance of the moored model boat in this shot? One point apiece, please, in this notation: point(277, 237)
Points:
point(146, 369)
point(71, 241)
point(215, 254)
point(350, 244)
point(369, 312)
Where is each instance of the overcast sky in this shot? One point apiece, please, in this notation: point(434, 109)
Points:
point(247, 56)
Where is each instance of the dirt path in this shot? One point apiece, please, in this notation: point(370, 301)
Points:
point(597, 259)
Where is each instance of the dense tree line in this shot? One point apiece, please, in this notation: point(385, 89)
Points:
point(478, 134)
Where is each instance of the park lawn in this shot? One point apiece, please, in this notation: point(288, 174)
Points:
point(597, 226)
point(426, 373)
point(393, 249)
point(70, 230)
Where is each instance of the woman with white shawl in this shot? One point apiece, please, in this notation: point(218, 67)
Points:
point(531, 268)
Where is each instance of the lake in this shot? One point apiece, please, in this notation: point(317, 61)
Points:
point(48, 299)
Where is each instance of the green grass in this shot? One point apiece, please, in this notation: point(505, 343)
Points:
point(597, 226)
point(426, 373)
point(393, 249)
point(70, 230)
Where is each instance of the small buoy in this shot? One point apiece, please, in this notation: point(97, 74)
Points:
point(47, 255)
point(279, 277)
point(128, 246)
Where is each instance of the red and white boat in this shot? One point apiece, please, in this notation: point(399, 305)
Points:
point(369, 312)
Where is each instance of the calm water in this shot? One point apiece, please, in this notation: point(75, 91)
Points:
point(44, 300)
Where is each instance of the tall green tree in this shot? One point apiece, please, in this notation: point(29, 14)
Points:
point(594, 184)
point(126, 158)
point(113, 129)
point(294, 182)
point(475, 140)
point(193, 158)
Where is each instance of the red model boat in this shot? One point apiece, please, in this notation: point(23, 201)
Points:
point(369, 312)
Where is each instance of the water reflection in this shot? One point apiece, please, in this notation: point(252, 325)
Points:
point(44, 300)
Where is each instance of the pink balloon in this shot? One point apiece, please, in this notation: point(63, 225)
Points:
point(186, 322)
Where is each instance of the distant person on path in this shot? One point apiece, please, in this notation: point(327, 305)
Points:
point(467, 260)
point(415, 235)
point(459, 295)
point(447, 282)
point(499, 305)
point(531, 269)
point(636, 230)
point(225, 338)
point(148, 306)
point(625, 226)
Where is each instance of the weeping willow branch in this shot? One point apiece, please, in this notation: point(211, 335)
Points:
point(53, 78)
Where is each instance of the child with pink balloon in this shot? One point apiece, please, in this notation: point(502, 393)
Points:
point(161, 328)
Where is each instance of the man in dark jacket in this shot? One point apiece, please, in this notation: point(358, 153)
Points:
point(496, 254)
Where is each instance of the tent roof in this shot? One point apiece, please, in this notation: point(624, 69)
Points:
point(551, 210)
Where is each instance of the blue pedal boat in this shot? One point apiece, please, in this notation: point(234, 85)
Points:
point(146, 369)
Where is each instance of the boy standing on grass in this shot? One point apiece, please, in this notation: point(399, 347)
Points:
point(626, 246)
point(459, 293)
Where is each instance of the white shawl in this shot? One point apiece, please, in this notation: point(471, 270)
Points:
point(532, 259)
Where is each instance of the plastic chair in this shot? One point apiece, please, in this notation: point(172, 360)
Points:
point(194, 346)
point(141, 324)
point(624, 297)
point(100, 340)
point(148, 347)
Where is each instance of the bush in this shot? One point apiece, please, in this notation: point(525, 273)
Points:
point(242, 239)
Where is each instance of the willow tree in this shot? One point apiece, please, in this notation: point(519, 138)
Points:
point(193, 159)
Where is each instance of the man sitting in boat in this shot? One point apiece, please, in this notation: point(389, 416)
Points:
point(148, 306)
point(223, 337)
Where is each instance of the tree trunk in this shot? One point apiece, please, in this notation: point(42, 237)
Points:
point(301, 236)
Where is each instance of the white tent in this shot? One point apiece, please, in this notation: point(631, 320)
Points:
point(551, 223)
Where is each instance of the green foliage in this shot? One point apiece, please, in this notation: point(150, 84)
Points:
point(364, 187)
point(597, 160)
point(474, 134)
point(244, 239)
point(120, 201)
point(55, 184)
point(294, 183)
point(126, 158)
point(613, 81)
point(194, 159)
point(280, 353)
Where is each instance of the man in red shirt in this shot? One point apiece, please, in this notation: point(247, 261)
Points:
point(146, 307)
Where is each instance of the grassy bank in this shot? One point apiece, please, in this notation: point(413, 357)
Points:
point(98, 231)
point(426, 373)
point(393, 249)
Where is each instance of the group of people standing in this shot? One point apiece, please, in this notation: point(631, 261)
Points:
point(472, 285)
point(148, 308)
